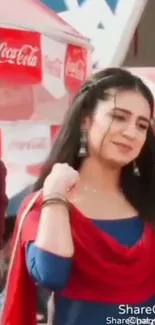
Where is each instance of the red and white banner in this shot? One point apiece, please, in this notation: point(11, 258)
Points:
point(20, 56)
point(50, 70)
point(24, 149)
point(26, 144)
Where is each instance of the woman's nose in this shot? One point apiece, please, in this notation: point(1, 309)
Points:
point(130, 131)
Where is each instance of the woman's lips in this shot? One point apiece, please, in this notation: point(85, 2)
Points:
point(123, 147)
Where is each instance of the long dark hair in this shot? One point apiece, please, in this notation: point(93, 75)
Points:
point(140, 191)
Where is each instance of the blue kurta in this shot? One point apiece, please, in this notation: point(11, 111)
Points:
point(53, 272)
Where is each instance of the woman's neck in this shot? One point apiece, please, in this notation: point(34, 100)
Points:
point(99, 175)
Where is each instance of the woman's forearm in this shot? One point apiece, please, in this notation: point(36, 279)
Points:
point(54, 234)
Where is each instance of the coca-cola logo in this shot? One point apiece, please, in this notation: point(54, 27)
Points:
point(34, 144)
point(26, 55)
point(75, 68)
point(53, 67)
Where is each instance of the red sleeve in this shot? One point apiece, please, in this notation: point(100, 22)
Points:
point(3, 199)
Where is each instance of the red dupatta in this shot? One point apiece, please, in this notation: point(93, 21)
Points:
point(21, 299)
point(103, 270)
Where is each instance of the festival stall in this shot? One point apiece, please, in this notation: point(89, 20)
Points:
point(43, 63)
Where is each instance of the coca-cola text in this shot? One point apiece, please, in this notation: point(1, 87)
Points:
point(26, 55)
point(34, 144)
point(53, 67)
point(75, 69)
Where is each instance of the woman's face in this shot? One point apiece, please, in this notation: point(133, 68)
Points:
point(119, 127)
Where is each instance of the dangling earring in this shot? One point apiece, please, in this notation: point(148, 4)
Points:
point(136, 170)
point(83, 151)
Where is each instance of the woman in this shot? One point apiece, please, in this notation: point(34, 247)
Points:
point(88, 235)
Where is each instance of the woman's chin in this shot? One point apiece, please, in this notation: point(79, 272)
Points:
point(117, 162)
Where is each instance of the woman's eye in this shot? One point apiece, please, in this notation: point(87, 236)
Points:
point(119, 117)
point(143, 127)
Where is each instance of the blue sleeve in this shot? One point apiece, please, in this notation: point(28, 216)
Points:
point(48, 270)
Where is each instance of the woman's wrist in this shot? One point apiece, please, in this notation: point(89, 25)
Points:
point(54, 195)
point(55, 199)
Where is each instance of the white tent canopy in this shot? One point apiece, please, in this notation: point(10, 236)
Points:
point(32, 15)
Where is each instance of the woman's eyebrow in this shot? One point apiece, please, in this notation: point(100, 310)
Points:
point(126, 111)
